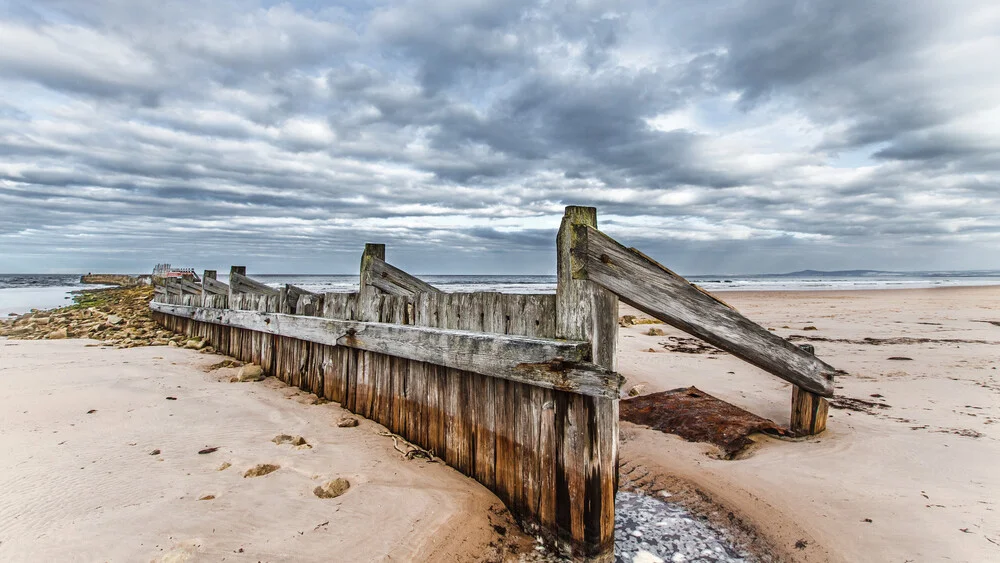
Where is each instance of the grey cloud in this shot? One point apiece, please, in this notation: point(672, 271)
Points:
point(295, 130)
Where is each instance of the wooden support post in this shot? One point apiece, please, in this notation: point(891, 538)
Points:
point(585, 311)
point(239, 270)
point(372, 250)
point(809, 410)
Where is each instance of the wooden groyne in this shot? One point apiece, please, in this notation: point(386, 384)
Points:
point(516, 391)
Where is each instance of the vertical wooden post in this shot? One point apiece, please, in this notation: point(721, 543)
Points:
point(241, 270)
point(371, 250)
point(209, 274)
point(808, 409)
point(586, 311)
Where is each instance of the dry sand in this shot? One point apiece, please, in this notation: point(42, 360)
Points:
point(915, 480)
point(85, 487)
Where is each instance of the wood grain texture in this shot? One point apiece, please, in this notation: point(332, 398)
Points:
point(809, 412)
point(394, 281)
point(239, 283)
point(553, 364)
point(655, 290)
point(211, 286)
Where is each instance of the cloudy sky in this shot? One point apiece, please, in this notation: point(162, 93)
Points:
point(717, 136)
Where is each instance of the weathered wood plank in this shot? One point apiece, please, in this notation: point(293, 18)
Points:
point(392, 280)
point(553, 364)
point(655, 290)
point(211, 286)
point(290, 298)
point(239, 283)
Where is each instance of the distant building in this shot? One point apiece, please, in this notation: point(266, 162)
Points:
point(168, 271)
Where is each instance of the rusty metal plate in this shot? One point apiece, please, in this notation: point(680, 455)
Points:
point(697, 416)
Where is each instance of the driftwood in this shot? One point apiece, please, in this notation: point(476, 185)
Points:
point(643, 283)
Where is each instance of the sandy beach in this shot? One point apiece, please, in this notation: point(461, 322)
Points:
point(912, 478)
point(80, 480)
point(905, 473)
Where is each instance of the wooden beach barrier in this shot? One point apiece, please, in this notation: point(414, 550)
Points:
point(518, 391)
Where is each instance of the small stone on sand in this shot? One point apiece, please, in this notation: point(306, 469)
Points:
point(261, 469)
point(251, 372)
point(636, 390)
point(288, 439)
point(207, 497)
point(224, 466)
point(347, 422)
point(154, 452)
point(332, 489)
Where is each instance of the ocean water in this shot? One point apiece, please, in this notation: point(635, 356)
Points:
point(21, 292)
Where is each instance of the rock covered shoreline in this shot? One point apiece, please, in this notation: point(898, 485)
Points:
point(118, 317)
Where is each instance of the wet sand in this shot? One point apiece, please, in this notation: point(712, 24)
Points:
point(912, 478)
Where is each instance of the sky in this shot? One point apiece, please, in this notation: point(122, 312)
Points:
point(723, 136)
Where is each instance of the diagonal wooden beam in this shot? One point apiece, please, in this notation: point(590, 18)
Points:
point(655, 290)
point(394, 281)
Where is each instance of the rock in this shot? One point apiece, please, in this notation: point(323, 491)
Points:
point(41, 321)
point(809, 328)
point(293, 440)
point(251, 372)
point(226, 465)
point(173, 344)
point(195, 344)
point(154, 452)
point(347, 422)
point(207, 497)
point(626, 321)
point(332, 489)
point(261, 469)
point(654, 332)
point(114, 320)
point(58, 334)
point(636, 390)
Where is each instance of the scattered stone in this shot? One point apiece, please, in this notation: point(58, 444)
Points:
point(261, 469)
point(207, 497)
point(900, 358)
point(655, 332)
point(251, 372)
point(228, 363)
point(297, 441)
point(207, 450)
point(347, 422)
point(171, 398)
point(224, 466)
point(154, 452)
point(91, 411)
point(636, 390)
point(332, 489)
point(810, 327)
point(114, 320)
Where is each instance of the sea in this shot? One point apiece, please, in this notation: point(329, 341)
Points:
point(20, 293)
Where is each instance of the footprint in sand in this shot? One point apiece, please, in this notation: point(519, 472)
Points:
point(332, 489)
point(261, 469)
